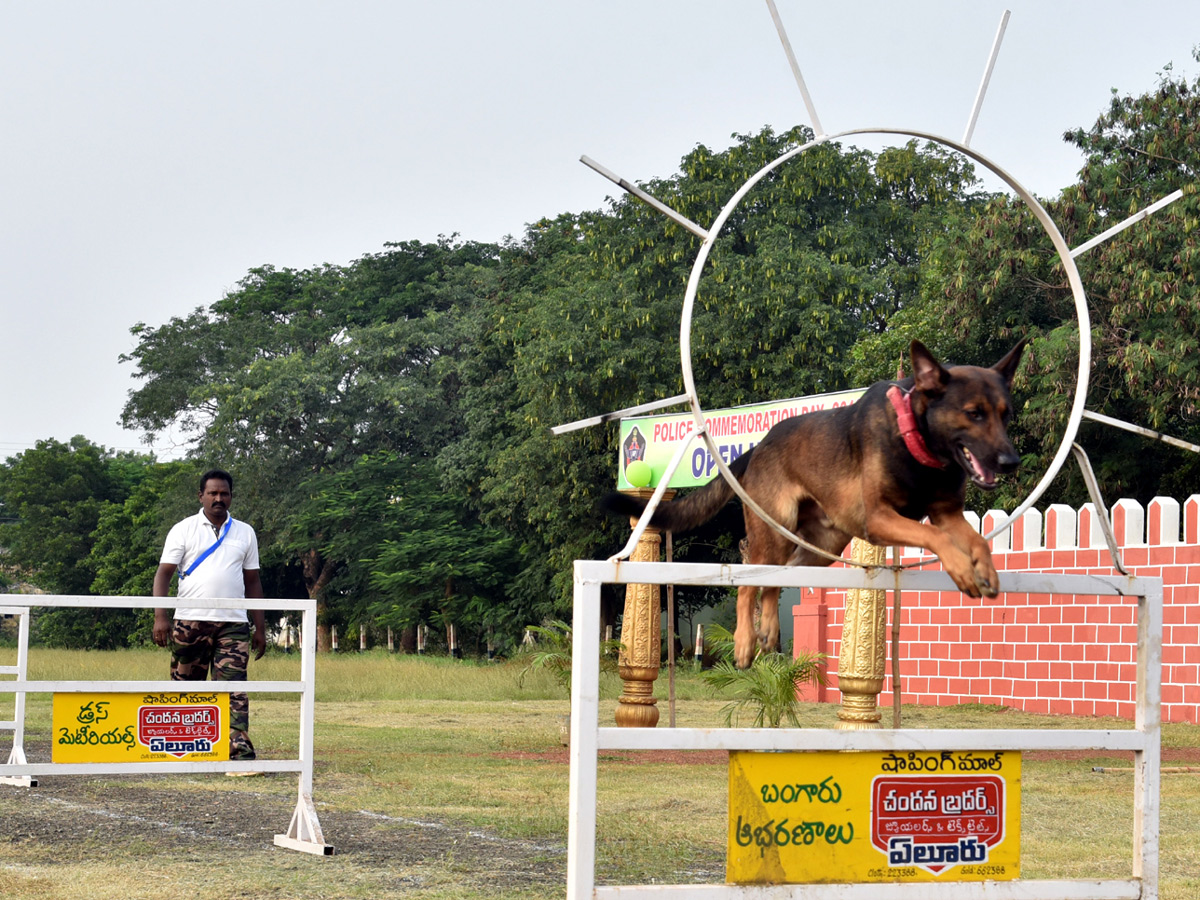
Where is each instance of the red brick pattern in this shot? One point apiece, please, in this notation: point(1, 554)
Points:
point(1060, 654)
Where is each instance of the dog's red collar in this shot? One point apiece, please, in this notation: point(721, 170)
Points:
point(902, 403)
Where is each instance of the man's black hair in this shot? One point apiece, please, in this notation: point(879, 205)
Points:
point(216, 473)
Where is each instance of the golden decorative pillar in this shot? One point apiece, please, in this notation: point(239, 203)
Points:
point(641, 635)
point(861, 663)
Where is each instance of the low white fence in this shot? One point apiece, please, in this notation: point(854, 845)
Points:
point(304, 831)
point(588, 738)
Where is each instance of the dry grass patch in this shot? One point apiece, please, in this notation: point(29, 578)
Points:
point(462, 793)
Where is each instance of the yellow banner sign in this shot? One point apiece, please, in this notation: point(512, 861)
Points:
point(91, 728)
point(865, 817)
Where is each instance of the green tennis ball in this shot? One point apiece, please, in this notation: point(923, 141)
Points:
point(638, 473)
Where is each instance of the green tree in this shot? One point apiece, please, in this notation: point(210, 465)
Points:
point(51, 500)
point(404, 551)
point(588, 321)
point(994, 277)
point(1143, 285)
point(439, 562)
point(128, 538)
point(295, 375)
point(52, 497)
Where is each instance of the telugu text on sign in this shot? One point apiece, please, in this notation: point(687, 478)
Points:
point(869, 817)
point(140, 727)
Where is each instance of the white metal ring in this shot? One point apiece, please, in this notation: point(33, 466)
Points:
point(1060, 245)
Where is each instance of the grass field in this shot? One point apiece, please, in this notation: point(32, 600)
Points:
point(447, 779)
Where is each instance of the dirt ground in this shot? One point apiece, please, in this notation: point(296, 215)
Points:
point(243, 817)
point(74, 811)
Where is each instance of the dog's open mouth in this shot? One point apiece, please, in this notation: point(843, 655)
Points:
point(979, 473)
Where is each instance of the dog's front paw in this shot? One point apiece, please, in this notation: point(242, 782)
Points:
point(964, 575)
point(986, 579)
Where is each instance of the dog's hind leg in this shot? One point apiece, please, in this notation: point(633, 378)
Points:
point(768, 621)
point(762, 547)
point(745, 639)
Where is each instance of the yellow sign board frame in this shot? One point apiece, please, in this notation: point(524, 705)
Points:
point(115, 727)
point(825, 817)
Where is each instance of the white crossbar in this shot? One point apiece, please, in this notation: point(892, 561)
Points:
point(148, 687)
point(909, 740)
point(1127, 889)
point(155, 768)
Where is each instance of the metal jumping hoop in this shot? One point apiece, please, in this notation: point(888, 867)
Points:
point(1060, 245)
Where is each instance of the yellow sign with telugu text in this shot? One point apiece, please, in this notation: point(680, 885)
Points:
point(94, 728)
point(872, 817)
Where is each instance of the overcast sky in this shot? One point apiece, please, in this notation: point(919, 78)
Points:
point(152, 152)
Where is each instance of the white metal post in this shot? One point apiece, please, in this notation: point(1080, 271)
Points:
point(16, 756)
point(987, 76)
point(1147, 767)
point(585, 712)
point(304, 831)
point(22, 674)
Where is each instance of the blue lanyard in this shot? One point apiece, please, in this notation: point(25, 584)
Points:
point(207, 553)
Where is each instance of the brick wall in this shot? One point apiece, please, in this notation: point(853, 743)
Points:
point(1071, 655)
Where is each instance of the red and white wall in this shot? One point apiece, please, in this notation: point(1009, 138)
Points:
point(1071, 655)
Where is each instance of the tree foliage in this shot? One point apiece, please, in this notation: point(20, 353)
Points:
point(996, 277)
point(56, 501)
point(295, 375)
point(52, 497)
point(128, 538)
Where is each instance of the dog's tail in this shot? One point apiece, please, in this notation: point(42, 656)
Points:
point(686, 513)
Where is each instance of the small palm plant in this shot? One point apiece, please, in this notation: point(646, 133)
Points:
point(551, 649)
point(768, 688)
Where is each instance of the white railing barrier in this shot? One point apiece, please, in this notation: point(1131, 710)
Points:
point(304, 831)
point(588, 738)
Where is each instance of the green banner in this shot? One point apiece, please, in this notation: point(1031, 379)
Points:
point(651, 441)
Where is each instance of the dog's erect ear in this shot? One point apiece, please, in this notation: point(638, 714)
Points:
point(1008, 366)
point(928, 374)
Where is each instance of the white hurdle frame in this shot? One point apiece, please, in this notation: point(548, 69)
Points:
point(588, 739)
point(304, 831)
point(16, 756)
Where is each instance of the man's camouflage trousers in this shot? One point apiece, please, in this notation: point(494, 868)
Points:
point(219, 648)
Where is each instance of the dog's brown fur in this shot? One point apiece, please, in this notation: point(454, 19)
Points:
point(835, 474)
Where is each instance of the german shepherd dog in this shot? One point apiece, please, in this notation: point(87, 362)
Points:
point(872, 470)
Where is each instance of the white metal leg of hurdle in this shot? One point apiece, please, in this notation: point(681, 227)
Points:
point(587, 738)
point(16, 756)
point(304, 832)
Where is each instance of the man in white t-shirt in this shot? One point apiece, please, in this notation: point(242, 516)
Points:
point(217, 557)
